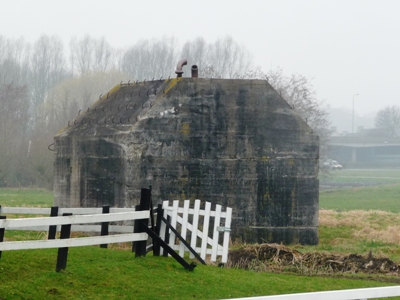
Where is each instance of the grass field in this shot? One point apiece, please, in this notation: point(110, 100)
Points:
point(26, 197)
point(363, 190)
point(364, 215)
point(94, 273)
point(356, 219)
point(381, 197)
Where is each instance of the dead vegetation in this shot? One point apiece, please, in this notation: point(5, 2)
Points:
point(373, 225)
point(362, 226)
point(275, 257)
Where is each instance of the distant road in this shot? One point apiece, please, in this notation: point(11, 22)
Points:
point(383, 170)
point(334, 185)
point(370, 177)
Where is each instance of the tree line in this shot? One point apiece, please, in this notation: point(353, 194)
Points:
point(43, 85)
point(388, 119)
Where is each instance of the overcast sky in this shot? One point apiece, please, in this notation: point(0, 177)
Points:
point(347, 47)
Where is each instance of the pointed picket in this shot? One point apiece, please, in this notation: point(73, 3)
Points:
point(206, 223)
point(215, 237)
point(172, 238)
point(184, 223)
point(193, 237)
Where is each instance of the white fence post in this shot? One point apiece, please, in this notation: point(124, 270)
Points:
point(206, 222)
point(185, 220)
point(196, 214)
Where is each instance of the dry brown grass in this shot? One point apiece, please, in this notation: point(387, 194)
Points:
point(372, 225)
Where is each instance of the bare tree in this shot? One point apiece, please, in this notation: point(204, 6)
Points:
point(224, 58)
point(72, 95)
point(91, 55)
point(14, 61)
point(298, 91)
point(388, 118)
point(150, 58)
point(47, 68)
point(196, 51)
point(229, 58)
point(13, 146)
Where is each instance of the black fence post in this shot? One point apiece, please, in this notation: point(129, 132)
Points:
point(63, 252)
point(145, 197)
point(135, 228)
point(104, 225)
point(170, 251)
point(53, 228)
point(2, 230)
point(156, 244)
point(166, 238)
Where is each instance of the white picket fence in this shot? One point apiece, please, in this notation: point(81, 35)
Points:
point(201, 219)
point(199, 228)
point(13, 224)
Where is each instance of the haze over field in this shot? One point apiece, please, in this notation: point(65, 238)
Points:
point(347, 47)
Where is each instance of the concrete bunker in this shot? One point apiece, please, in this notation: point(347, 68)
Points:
point(232, 142)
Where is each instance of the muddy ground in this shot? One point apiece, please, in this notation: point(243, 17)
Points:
point(275, 257)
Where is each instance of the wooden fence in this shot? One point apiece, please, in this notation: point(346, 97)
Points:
point(65, 241)
point(169, 234)
point(198, 221)
point(56, 211)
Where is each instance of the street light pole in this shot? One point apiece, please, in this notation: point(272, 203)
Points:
point(352, 125)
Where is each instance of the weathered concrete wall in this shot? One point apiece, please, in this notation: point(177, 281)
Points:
point(232, 142)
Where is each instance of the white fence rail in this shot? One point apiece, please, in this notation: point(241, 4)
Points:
point(74, 211)
point(187, 230)
point(361, 294)
point(199, 228)
point(13, 224)
point(65, 240)
point(73, 242)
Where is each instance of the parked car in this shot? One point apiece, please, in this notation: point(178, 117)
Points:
point(332, 165)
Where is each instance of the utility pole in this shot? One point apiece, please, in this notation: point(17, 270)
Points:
point(352, 125)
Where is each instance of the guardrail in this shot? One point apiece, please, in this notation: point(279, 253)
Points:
point(354, 294)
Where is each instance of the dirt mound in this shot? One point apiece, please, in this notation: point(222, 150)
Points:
point(275, 256)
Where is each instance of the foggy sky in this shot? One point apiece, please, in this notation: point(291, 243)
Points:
point(347, 47)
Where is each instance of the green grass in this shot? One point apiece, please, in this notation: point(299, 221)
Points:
point(26, 197)
point(94, 273)
point(381, 197)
